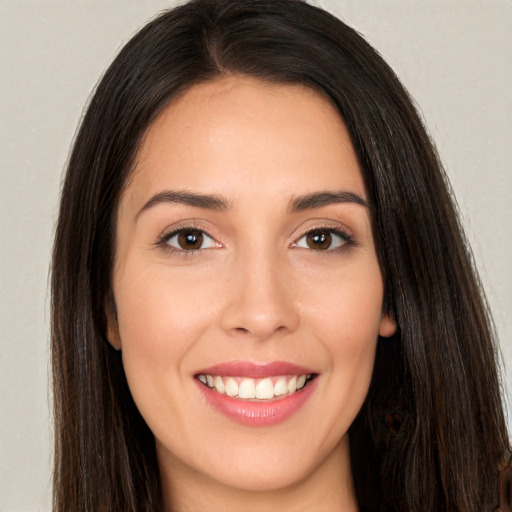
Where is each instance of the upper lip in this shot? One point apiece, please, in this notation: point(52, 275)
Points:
point(255, 370)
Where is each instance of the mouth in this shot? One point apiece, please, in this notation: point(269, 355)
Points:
point(256, 389)
point(256, 394)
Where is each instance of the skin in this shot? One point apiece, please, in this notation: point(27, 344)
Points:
point(255, 291)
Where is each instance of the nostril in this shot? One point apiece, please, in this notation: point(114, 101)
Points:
point(244, 330)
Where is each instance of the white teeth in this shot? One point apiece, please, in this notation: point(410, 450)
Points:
point(280, 387)
point(247, 389)
point(301, 381)
point(231, 387)
point(250, 389)
point(264, 389)
point(219, 384)
point(292, 385)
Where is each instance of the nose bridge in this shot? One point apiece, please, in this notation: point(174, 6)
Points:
point(261, 301)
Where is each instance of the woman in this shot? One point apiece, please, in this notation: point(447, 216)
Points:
point(262, 298)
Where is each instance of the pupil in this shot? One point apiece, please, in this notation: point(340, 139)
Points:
point(190, 240)
point(319, 240)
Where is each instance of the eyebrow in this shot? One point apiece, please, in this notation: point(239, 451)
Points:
point(319, 199)
point(208, 201)
point(219, 203)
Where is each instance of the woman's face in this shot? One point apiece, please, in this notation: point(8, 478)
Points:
point(246, 284)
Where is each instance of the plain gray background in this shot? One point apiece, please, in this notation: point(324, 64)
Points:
point(453, 55)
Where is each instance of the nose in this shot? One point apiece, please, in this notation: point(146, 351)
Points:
point(260, 301)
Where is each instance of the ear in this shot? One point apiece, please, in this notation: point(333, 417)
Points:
point(387, 327)
point(112, 327)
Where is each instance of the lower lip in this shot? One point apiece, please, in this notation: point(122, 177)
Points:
point(264, 413)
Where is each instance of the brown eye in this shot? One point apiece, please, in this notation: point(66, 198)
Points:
point(189, 240)
point(323, 239)
point(319, 240)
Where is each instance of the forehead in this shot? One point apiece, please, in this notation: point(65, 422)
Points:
point(240, 131)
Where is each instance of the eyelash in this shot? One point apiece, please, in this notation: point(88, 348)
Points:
point(345, 237)
point(163, 240)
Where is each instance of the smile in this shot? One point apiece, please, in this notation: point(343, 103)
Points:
point(256, 394)
point(245, 388)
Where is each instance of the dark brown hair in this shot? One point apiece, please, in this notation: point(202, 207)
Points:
point(431, 433)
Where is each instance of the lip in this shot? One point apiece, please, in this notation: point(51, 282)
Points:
point(257, 413)
point(255, 370)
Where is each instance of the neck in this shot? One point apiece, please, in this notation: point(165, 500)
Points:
point(329, 488)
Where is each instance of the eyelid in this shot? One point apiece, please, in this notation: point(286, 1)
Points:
point(334, 235)
point(193, 225)
point(337, 230)
point(174, 230)
point(175, 234)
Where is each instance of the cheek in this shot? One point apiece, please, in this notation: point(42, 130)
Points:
point(346, 316)
point(348, 305)
point(159, 307)
point(160, 320)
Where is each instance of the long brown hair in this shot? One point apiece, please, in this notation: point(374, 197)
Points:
point(431, 433)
